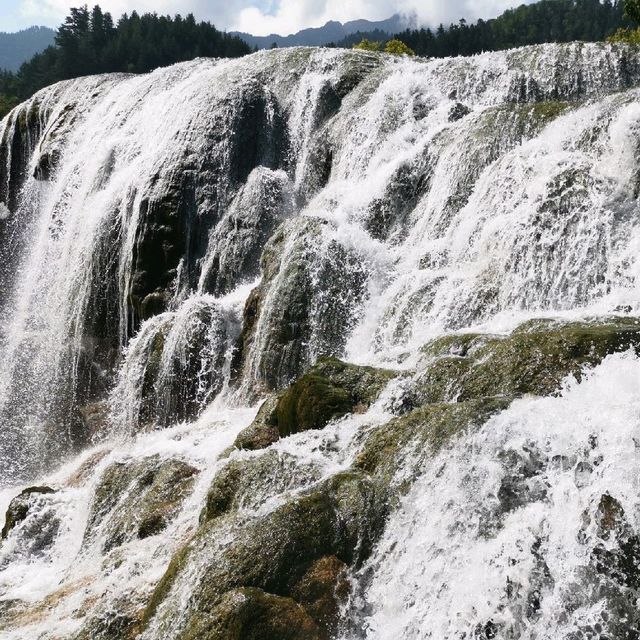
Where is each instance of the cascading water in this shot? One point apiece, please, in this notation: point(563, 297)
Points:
point(508, 533)
point(178, 246)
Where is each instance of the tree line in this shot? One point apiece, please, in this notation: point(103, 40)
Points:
point(545, 21)
point(89, 42)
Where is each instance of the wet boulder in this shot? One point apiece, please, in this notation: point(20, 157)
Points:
point(341, 517)
point(329, 390)
point(458, 111)
point(618, 555)
point(161, 241)
point(263, 431)
point(233, 255)
point(137, 499)
point(253, 614)
point(534, 359)
point(32, 524)
point(387, 215)
point(20, 506)
point(175, 366)
point(521, 483)
point(257, 131)
point(306, 305)
point(406, 442)
point(322, 590)
point(317, 167)
point(248, 483)
point(186, 200)
point(113, 623)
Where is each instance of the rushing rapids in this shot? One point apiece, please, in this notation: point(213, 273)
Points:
point(324, 344)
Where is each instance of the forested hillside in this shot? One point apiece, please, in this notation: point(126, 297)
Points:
point(16, 48)
point(545, 21)
point(89, 42)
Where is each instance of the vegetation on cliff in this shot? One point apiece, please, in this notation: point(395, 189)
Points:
point(544, 21)
point(394, 46)
point(91, 42)
point(625, 34)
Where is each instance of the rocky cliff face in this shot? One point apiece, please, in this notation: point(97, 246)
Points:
point(323, 344)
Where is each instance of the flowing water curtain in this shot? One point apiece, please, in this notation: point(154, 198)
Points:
point(381, 202)
point(375, 150)
point(522, 529)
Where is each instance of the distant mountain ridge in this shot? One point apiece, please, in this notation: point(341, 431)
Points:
point(332, 31)
point(19, 47)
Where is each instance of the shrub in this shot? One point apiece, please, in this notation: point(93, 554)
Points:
point(629, 36)
point(632, 10)
point(398, 48)
point(368, 45)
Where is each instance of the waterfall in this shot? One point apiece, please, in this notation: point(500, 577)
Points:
point(184, 251)
point(510, 550)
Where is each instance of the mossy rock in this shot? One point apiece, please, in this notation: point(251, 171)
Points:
point(341, 517)
point(330, 390)
point(263, 431)
point(115, 624)
point(311, 403)
point(177, 379)
point(137, 499)
point(549, 110)
point(322, 590)
point(253, 614)
point(19, 507)
point(534, 359)
point(406, 442)
point(248, 483)
point(302, 319)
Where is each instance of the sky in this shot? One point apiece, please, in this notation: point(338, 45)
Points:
point(260, 17)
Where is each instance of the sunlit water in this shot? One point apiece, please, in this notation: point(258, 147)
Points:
point(458, 204)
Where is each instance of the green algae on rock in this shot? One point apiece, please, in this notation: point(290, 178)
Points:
point(252, 614)
point(248, 483)
point(329, 390)
point(263, 431)
point(407, 442)
point(137, 499)
point(341, 517)
point(534, 359)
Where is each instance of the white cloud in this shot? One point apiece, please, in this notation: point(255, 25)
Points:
point(288, 16)
point(222, 12)
point(262, 17)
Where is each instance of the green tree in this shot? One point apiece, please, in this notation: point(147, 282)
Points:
point(628, 36)
point(6, 104)
point(88, 42)
point(398, 48)
point(368, 45)
point(632, 10)
point(542, 21)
